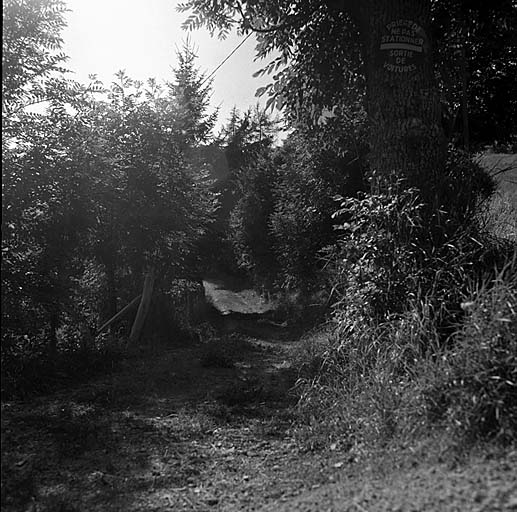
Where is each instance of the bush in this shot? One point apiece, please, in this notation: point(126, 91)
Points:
point(283, 218)
point(409, 346)
point(369, 265)
point(304, 200)
point(394, 250)
point(249, 230)
point(394, 379)
point(362, 381)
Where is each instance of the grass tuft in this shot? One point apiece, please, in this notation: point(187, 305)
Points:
point(474, 388)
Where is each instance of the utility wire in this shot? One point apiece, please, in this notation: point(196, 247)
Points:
point(229, 55)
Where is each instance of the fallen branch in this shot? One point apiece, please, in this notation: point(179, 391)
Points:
point(119, 315)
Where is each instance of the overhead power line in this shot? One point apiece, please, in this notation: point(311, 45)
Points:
point(226, 58)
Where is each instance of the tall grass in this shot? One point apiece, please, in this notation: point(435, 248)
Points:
point(424, 335)
point(473, 389)
point(396, 380)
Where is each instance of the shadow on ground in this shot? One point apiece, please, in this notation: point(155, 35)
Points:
point(170, 431)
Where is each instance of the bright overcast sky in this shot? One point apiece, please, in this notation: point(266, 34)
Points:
point(141, 36)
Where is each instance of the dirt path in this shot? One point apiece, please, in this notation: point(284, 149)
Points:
point(231, 296)
point(211, 428)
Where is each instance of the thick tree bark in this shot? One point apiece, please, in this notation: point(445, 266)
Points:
point(406, 136)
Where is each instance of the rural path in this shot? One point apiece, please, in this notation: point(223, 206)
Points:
point(212, 427)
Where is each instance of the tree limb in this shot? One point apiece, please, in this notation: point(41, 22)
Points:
point(119, 315)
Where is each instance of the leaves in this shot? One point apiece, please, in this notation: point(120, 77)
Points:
point(104, 177)
point(30, 71)
point(193, 22)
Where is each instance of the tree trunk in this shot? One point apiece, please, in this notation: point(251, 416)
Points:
point(143, 308)
point(406, 136)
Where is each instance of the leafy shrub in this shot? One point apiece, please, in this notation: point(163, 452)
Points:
point(395, 251)
point(399, 274)
point(369, 265)
point(284, 216)
point(90, 199)
point(392, 378)
point(301, 224)
point(249, 220)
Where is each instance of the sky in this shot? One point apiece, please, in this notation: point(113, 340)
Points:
point(141, 37)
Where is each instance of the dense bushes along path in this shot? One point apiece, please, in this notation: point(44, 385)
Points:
point(212, 427)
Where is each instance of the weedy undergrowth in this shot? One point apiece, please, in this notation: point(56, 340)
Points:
point(421, 337)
